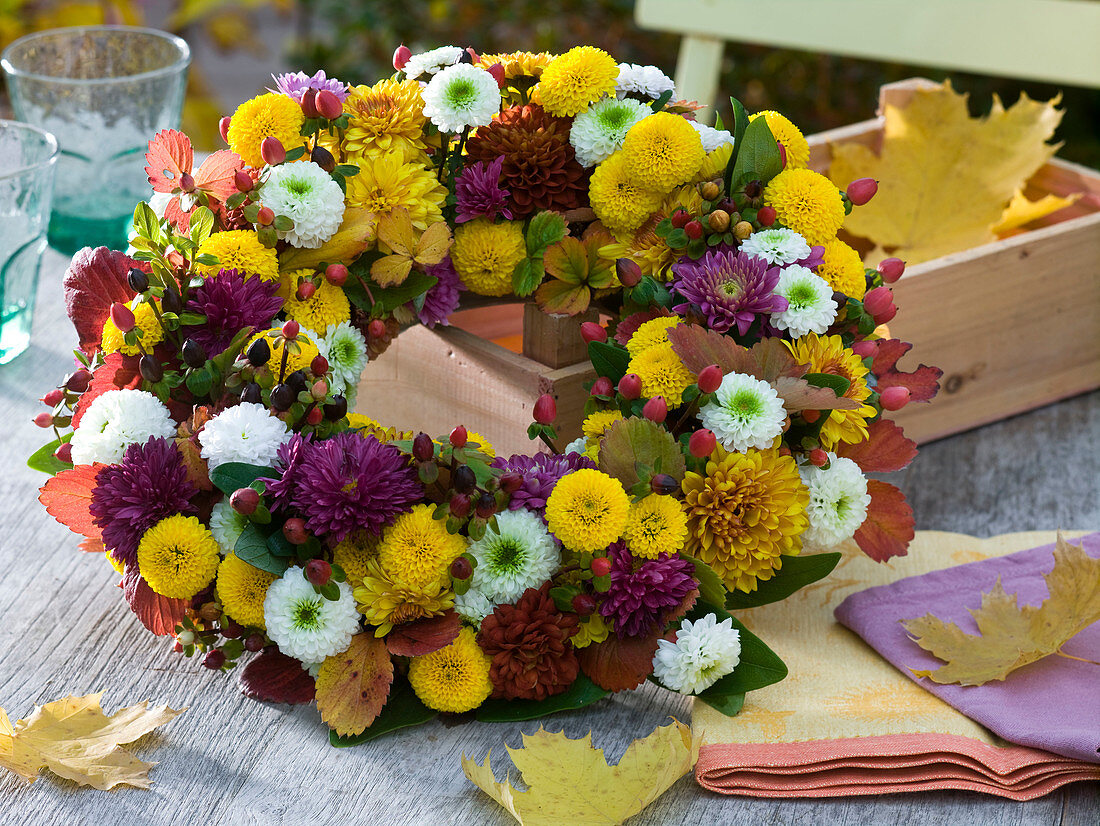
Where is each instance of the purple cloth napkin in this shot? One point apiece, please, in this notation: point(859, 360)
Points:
point(1052, 704)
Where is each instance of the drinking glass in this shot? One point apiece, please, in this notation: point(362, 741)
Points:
point(28, 157)
point(104, 91)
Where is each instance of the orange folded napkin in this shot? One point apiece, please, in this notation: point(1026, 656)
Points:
point(846, 721)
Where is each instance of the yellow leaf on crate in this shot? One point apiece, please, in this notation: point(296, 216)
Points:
point(1012, 637)
point(356, 233)
point(399, 239)
point(352, 687)
point(570, 782)
point(1022, 211)
point(944, 178)
point(74, 739)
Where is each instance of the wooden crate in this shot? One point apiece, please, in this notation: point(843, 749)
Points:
point(1014, 325)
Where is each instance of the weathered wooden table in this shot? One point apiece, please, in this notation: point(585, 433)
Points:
point(64, 629)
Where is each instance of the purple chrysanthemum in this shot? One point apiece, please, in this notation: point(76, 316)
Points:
point(479, 193)
point(540, 473)
point(642, 596)
point(729, 288)
point(442, 299)
point(288, 461)
point(814, 259)
point(352, 482)
point(230, 303)
point(150, 484)
point(294, 84)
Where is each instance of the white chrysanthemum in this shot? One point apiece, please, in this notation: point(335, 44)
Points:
point(345, 349)
point(746, 412)
point(712, 138)
point(810, 305)
point(642, 80)
point(245, 433)
point(578, 446)
point(226, 525)
point(303, 623)
point(705, 651)
point(459, 96)
point(838, 501)
point(518, 555)
point(308, 196)
point(599, 131)
point(312, 669)
point(473, 606)
point(430, 62)
point(116, 420)
point(776, 246)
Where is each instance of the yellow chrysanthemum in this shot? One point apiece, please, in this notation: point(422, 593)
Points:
point(271, 115)
point(120, 569)
point(715, 163)
point(662, 151)
point(484, 255)
point(518, 64)
point(454, 678)
point(328, 304)
point(596, 424)
point(483, 445)
point(576, 79)
point(242, 589)
point(786, 133)
point(369, 427)
point(385, 600)
point(240, 250)
point(644, 246)
point(354, 554)
point(593, 629)
point(300, 360)
point(806, 202)
point(617, 198)
point(746, 510)
point(152, 333)
point(417, 548)
point(178, 557)
point(662, 373)
point(385, 117)
point(842, 267)
point(827, 354)
point(387, 182)
point(652, 333)
point(656, 525)
point(587, 510)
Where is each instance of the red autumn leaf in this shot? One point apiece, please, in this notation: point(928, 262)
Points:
point(91, 545)
point(159, 614)
point(888, 528)
point(619, 665)
point(629, 325)
point(118, 372)
point(923, 383)
point(174, 214)
point(169, 156)
point(353, 687)
point(67, 496)
point(95, 280)
point(215, 175)
point(886, 449)
point(276, 678)
point(423, 636)
point(799, 394)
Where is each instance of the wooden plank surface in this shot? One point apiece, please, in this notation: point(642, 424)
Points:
point(65, 629)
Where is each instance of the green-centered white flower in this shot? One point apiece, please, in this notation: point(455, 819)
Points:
point(746, 413)
point(599, 131)
point(345, 349)
point(226, 525)
point(776, 246)
point(303, 623)
point(518, 555)
point(307, 195)
point(810, 305)
point(838, 501)
point(461, 96)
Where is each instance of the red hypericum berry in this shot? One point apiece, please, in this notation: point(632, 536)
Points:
point(223, 128)
point(602, 387)
point(867, 347)
point(694, 229)
point(305, 290)
point(265, 217)
point(401, 56)
point(877, 300)
point(766, 216)
point(546, 409)
point(811, 416)
point(861, 190)
point(891, 269)
point(294, 529)
point(177, 646)
point(601, 566)
point(272, 151)
point(680, 218)
point(64, 453)
point(336, 274)
point(423, 448)
point(214, 659)
point(511, 482)
point(710, 378)
point(187, 182)
point(318, 572)
point(244, 501)
point(254, 642)
point(309, 103)
point(782, 155)
point(53, 398)
point(702, 443)
point(291, 329)
point(486, 505)
point(78, 381)
point(319, 389)
point(818, 457)
point(628, 271)
point(315, 416)
point(656, 409)
point(497, 71)
point(319, 365)
point(329, 105)
point(377, 328)
point(888, 316)
point(461, 568)
point(123, 317)
point(231, 629)
point(243, 181)
point(44, 420)
point(894, 398)
point(630, 387)
point(591, 331)
point(458, 437)
point(460, 505)
point(584, 604)
point(784, 450)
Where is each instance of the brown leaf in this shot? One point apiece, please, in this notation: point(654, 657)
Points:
point(423, 636)
point(276, 678)
point(352, 687)
point(799, 394)
point(699, 347)
point(885, 449)
point(187, 443)
point(562, 297)
point(159, 614)
point(888, 528)
point(619, 665)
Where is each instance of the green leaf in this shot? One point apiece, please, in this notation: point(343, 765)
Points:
point(232, 475)
point(252, 548)
point(711, 588)
point(729, 704)
point(659, 103)
point(44, 460)
point(201, 225)
point(146, 223)
point(199, 382)
point(279, 545)
point(650, 292)
point(283, 223)
point(797, 572)
point(527, 276)
point(582, 693)
point(346, 170)
point(838, 384)
point(608, 359)
point(402, 709)
point(387, 299)
point(758, 155)
point(295, 153)
point(545, 228)
point(740, 121)
point(759, 665)
point(631, 448)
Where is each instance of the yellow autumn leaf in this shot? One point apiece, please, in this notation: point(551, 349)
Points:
point(944, 178)
point(568, 781)
point(356, 233)
point(405, 246)
point(1021, 210)
point(353, 686)
point(1011, 636)
point(73, 738)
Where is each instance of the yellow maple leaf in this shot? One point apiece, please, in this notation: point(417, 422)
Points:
point(944, 178)
point(1012, 637)
point(404, 246)
point(1021, 210)
point(570, 782)
point(73, 738)
point(356, 233)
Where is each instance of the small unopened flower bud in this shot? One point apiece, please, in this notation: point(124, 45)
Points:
point(401, 56)
point(223, 128)
point(694, 230)
point(719, 220)
point(601, 566)
point(64, 453)
point(297, 381)
point(252, 394)
point(315, 416)
point(78, 381)
point(53, 398)
point(894, 398)
point(265, 217)
point(309, 103)
point(214, 659)
point(511, 482)
point(867, 347)
point(323, 158)
point(497, 71)
point(138, 280)
point(710, 191)
point(754, 189)
point(584, 604)
point(461, 568)
point(193, 353)
point(680, 217)
point(702, 443)
point(656, 409)
point(243, 181)
point(294, 529)
point(123, 317)
point(469, 55)
point(328, 105)
point(861, 190)
point(318, 572)
point(231, 629)
point(336, 274)
point(463, 479)
point(460, 505)
point(891, 269)
point(710, 378)
point(187, 182)
point(486, 506)
point(546, 409)
point(663, 484)
point(818, 457)
point(319, 365)
point(630, 386)
point(742, 230)
point(290, 330)
point(628, 271)
point(766, 216)
point(602, 387)
point(44, 419)
point(150, 368)
point(319, 390)
point(878, 302)
point(305, 291)
point(272, 151)
point(591, 331)
point(244, 501)
point(458, 437)
point(186, 637)
point(377, 328)
point(423, 448)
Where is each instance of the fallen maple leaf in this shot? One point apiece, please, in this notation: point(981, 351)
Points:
point(73, 738)
point(945, 178)
point(352, 687)
point(1021, 210)
point(568, 781)
point(1012, 637)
